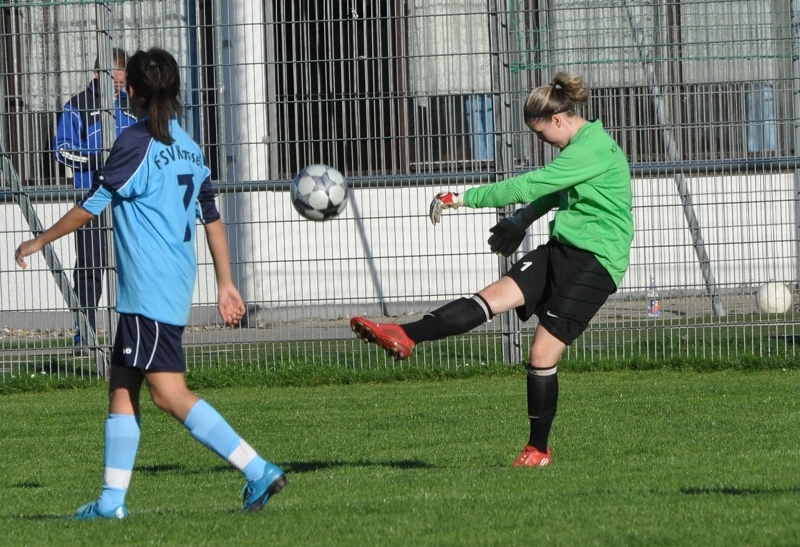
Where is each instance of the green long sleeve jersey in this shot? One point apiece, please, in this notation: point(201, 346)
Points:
point(590, 183)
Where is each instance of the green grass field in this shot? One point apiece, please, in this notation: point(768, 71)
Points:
point(645, 458)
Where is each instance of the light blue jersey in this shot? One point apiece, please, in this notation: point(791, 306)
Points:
point(157, 192)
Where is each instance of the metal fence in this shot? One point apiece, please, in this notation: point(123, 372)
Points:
point(407, 98)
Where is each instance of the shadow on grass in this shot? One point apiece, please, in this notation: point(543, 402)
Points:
point(50, 516)
point(736, 491)
point(788, 339)
point(28, 484)
point(311, 466)
point(289, 467)
point(164, 468)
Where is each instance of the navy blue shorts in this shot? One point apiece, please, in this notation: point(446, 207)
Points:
point(148, 345)
point(563, 286)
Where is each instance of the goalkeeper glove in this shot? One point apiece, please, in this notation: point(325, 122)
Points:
point(507, 235)
point(444, 200)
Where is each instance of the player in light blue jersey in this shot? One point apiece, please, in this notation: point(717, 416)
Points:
point(158, 186)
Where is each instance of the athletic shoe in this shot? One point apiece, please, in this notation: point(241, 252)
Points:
point(389, 336)
point(531, 457)
point(256, 493)
point(91, 511)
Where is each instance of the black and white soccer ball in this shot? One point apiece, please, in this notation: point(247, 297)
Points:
point(319, 192)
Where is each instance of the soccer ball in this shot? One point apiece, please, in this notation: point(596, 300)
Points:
point(774, 298)
point(319, 192)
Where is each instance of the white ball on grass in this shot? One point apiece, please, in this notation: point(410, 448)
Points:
point(774, 298)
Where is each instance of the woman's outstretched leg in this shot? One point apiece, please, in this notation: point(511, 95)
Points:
point(456, 317)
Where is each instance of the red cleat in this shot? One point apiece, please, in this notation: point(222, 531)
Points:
point(531, 457)
point(389, 336)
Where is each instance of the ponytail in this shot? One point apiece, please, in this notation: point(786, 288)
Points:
point(155, 81)
point(562, 95)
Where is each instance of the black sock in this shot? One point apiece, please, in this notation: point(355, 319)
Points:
point(542, 402)
point(457, 317)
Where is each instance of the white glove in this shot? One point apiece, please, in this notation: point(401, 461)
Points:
point(444, 200)
point(508, 234)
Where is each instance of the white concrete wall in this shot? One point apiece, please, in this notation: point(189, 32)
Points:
point(747, 224)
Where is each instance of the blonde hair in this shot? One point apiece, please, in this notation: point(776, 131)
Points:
point(562, 95)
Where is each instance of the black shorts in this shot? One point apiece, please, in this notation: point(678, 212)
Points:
point(148, 345)
point(563, 286)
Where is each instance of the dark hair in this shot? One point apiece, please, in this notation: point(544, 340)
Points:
point(120, 58)
point(154, 84)
point(562, 95)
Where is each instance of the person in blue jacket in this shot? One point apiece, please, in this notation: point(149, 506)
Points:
point(78, 144)
point(158, 186)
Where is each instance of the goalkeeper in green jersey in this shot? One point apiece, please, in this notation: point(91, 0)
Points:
point(563, 282)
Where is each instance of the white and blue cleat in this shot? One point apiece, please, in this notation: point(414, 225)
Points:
point(91, 511)
point(255, 494)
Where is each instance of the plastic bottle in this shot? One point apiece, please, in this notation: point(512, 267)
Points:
point(653, 301)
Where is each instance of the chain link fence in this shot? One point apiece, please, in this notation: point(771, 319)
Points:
point(408, 98)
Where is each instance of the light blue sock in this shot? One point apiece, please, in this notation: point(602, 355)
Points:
point(121, 443)
point(210, 428)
